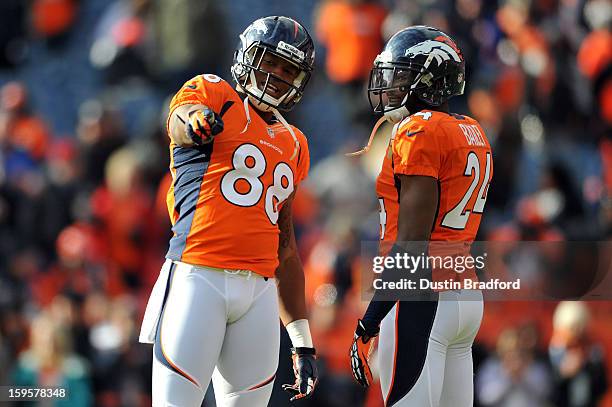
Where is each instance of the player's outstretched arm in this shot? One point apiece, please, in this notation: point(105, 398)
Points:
point(292, 301)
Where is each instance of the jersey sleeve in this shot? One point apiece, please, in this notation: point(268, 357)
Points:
point(416, 149)
point(303, 164)
point(208, 90)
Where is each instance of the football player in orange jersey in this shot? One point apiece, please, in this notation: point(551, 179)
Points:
point(233, 267)
point(432, 190)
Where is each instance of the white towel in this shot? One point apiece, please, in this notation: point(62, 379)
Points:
point(154, 306)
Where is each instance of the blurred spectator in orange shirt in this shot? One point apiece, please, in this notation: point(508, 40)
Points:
point(122, 209)
point(72, 273)
point(351, 31)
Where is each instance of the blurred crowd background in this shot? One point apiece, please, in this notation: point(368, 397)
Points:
point(84, 86)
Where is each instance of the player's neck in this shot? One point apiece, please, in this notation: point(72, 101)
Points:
point(267, 117)
point(443, 108)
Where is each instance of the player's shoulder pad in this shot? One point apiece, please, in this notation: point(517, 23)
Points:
point(299, 134)
point(209, 82)
point(421, 122)
point(301, 137)
point(280, 129)
point(409, 127)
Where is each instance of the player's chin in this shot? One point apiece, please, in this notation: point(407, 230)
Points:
point(393, 103)
point(275, 92)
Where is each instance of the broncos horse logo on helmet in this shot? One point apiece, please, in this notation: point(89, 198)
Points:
point(282, 37)
point(434, 49)
point(419, 63)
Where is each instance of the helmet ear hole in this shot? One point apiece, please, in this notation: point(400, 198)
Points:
point(238, 70)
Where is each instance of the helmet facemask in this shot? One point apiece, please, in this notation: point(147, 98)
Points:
point(389, 89)
point(261, 85)
point(394, 89)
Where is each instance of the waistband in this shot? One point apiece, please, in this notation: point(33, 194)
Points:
point(243, 273)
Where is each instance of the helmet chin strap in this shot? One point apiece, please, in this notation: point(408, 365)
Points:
point(393, 116)
point(278, 116)
point(397, 115)
point(261, 106)
point(281, 119)
point(247, 113)
point(372, 134)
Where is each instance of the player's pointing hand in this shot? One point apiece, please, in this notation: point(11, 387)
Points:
point(203, 125)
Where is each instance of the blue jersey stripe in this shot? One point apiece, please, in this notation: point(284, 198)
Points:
point(191, 165)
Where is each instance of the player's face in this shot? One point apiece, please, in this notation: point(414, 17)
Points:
point(399, 85)
point(279, 68)
point(394, 85)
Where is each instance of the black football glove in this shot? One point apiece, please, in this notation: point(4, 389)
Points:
point(360, 352)
point(305, 371)
point(203, 125)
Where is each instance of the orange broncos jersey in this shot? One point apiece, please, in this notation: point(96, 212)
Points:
point(454, 150)
point(225, 197)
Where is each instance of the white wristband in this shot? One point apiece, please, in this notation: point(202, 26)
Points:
point(299, 332)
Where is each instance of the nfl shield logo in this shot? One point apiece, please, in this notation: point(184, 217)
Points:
point(270, 132)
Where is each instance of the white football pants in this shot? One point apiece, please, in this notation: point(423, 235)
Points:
point(425, 351)
point(212, 323)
